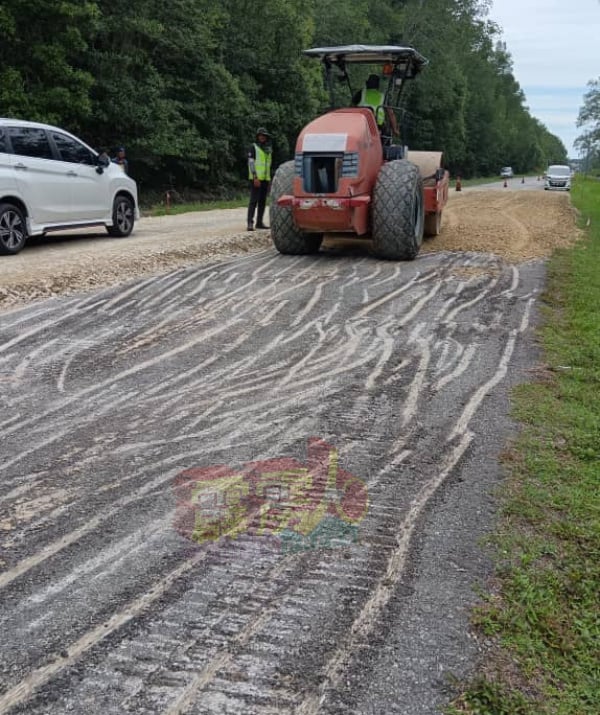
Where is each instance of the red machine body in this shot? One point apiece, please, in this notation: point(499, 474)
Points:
point(351, 176)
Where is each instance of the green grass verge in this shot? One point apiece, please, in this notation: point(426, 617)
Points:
point(544, 611)
point(179, 207)
point(478, 181)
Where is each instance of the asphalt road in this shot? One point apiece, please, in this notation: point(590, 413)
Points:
point(257, 485)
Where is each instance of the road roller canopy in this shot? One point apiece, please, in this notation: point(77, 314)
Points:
point(394, 64)
point(404, 61)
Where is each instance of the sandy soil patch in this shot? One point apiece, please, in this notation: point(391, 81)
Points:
point(517, 225)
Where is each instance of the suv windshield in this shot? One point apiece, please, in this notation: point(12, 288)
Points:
point(559, 170)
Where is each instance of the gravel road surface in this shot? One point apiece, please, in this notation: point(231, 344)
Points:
point(239, 482)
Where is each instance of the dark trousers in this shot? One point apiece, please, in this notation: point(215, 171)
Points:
point(258, 202)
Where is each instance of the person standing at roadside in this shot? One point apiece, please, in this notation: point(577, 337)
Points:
point(259, 173)
point(121, 160)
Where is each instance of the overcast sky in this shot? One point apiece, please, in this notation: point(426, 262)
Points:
point(555, 47)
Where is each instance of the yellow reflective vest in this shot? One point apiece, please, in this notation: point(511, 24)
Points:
point(262, 164)
point(373, 98)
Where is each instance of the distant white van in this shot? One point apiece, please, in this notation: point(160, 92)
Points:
point(558, 177)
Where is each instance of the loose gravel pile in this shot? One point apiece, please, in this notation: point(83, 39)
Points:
point(517, 225)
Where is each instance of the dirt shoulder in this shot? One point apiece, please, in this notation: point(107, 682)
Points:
point(518, 225)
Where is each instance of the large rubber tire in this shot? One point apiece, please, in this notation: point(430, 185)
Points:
point(123, 217)
point(398, 211)
point(433, 224)
point(13, 230)
point(287, 237)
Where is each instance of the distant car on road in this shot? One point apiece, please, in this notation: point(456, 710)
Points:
point(506, 172)
point(51, 181)
point(558, 178)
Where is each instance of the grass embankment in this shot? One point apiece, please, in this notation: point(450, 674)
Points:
point(544, 611)
point(177, 206)
point(478, 181)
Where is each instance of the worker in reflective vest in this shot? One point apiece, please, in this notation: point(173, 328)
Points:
point(259, 173)
point(371, 96)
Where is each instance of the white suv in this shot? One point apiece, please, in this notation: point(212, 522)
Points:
point(52, 181)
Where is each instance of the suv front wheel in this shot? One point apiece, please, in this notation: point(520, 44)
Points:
point(13, 229)
point(123, 217)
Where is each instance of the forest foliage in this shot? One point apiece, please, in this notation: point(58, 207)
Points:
point(184, 84)
point(588, 142)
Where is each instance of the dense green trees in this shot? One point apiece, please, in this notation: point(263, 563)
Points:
point(468, 102)
point(184, 84)
point(588, 142)
point(43, 44)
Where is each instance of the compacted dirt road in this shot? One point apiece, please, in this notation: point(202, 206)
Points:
point(239, 482)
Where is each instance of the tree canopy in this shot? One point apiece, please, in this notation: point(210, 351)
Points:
point(588, 142)
point(184, 85)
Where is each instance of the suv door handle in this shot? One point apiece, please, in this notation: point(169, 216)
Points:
point(71, 173)
point(20, 166)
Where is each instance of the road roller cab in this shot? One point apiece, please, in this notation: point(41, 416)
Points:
point(351, 174)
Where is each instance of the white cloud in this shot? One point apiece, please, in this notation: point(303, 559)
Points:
point(555, 47)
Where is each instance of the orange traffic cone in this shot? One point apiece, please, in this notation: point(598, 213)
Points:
point(505, 183)
point(458, 184)
point(523, 180)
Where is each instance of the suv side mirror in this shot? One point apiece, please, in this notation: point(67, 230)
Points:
point(102, 161)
